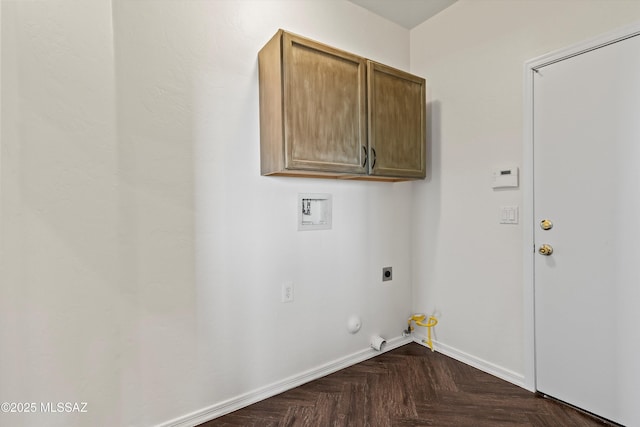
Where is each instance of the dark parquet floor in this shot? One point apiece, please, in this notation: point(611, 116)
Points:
point(408, 386)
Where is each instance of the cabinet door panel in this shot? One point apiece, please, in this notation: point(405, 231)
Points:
point(396, 122)
point(324, 98)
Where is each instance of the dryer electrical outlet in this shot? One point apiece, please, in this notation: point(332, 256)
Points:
point(387, 274)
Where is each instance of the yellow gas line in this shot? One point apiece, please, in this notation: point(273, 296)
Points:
point(419, 319)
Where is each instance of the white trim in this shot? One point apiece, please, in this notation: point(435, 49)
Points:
point(528, 220)
point(585, 46)
point(528, 243)
point(246, 399)
point(481, 364)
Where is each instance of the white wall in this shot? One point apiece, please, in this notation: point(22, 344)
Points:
point(467, 267)
point(142, 253)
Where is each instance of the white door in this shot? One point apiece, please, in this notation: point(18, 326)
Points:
point(587, 184)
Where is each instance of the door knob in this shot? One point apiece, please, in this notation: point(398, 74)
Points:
point(545, 224)
point(545, 250)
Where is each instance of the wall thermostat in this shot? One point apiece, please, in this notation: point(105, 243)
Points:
point(505, 178)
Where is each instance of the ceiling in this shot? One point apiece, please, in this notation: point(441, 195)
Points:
point(407, 13)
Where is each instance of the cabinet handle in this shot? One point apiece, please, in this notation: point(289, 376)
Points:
point(364, 162)
point(375, 156)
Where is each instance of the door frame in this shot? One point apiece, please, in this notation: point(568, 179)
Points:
point(527, 179)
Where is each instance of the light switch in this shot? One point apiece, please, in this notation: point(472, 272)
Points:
point(509, 215)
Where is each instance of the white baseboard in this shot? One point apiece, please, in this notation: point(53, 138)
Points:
point(238, 402)
point(468, 359)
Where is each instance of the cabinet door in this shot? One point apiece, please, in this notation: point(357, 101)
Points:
point(396, 122)
point(324, 107)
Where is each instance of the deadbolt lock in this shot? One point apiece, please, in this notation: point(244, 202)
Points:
point(545, 250)
point(545, 224)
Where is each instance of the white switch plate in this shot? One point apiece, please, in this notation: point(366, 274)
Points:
point(509, 215)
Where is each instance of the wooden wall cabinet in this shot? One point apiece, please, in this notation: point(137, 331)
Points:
point(397, 122)
point(328, 113)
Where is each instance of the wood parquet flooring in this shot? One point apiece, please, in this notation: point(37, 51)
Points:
point(408, 386)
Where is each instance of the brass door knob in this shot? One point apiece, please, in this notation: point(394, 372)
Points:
point(545, 250)
point(545, 224)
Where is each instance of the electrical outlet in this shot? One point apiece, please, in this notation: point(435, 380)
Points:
point(287, 292)
point(387, 274)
